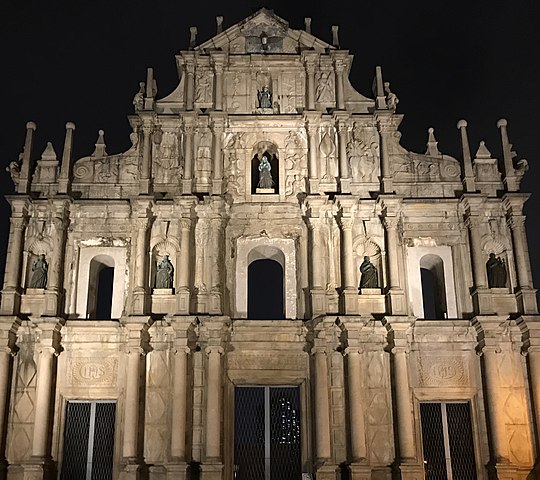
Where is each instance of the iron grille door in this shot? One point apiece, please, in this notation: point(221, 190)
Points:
point(447, 441)
point(88, 441)
point(267, 433)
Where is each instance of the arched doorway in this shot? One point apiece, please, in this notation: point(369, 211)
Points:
point(265, 290)
point(433, 287)
point(100, 288)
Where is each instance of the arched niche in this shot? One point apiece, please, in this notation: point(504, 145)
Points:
point(266, 290)
point(438, 261)
point(433, 287)
point(281, 250)
point(91, 261)
point(100, 288)
point(269, 150)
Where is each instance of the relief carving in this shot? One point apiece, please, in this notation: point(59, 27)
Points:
point(93, 371)
point(325, 87)
point(441, 371)
point(203, 90)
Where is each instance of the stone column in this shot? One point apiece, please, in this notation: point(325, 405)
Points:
point(54, 292)
point(386, 129)
point(318, 304)
point(146, 160)
point(217, 154)
point(5, 356)
point(356, 406)
point(313, 166)
point(468, 174)
point(190, 82)
point(519, 237)
point(24, 175)
point(189, 130)
point(310, 83)
point(350, 292)
point(179, 403)
point(140, 290)
point(44, 392)
point(63, 179)
point(532, 349)
point(11, 294)
point(218, 59)
point(339, 66)
point(322, 407)
point(397, 299)
point(479, 266)
point(183, 267)
point(213, 405)
point(510, 179)
point(130, 445)
point(343, 160)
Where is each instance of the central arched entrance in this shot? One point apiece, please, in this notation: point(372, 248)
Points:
point(265, 290)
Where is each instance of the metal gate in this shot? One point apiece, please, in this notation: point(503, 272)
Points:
point(267, 433)
point(89, 441)
point(447, 441)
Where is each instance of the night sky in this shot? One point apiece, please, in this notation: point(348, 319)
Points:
point(81, 61)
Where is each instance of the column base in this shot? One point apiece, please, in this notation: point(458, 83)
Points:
point(483, 301)
point(52, 303)
point(217, 187)
point(186, 186)
point(507, 471)
point(387, 185)
point(212, 471)
point(182, 301)
point(526, 300)
point(318, 302)
point(370, 300)
point(138, 302)
point(396, 301)
point(345, 184)
point(328, 472)
point(11, 302)
point(144, 186)
point(411, 472)
point(177, 471)
point(157, 472)
point(38, 469)
point(215, 303)
point(132, 471)
point(349, 301)
point(360, 472)
point(314, 186)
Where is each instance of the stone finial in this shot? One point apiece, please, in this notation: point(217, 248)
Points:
point(100, 150)
point(49, 153)
point(219, 23)
point(335, 36)
point(462, 124)
point(192, 37)
point(511, 181)
point(24, 174)
point(70, 126)
point(483, 151)
point(63, 179)
point(307, 23)
point(502, 123)
point(31, 126)
point(378, 88)
point(432, 148)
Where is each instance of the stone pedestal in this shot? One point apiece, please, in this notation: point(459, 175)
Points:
point(349, 301)
point(328, 472)
point(483, 301)
point(11, 302)
point(33, 301)
point(177, 471)
point(39, 469)
point(138, 302)
point(507, 471)
point(318, 303)
point(411, 472)
point(314, 185)
point(182, 301)
point(212, 471)
point(52, 302)
point(370, 300)
point(345, 185)
point(217, 187)
point(265, 191)
point(360, 472)
point(526, 299)
point(186, 186)
point(132, 471)
point(396, 301)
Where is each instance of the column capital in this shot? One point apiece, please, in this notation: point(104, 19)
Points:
point(390, 223)
point(473, 221)
point(19, 223)
point(354, 349)
point(515, 222)
point(214, 349)
point(400, 349)
point(185, 223)
point(318, 349)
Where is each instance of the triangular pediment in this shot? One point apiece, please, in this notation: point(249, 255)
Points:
point(245, 36)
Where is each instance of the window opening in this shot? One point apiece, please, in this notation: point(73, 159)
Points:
point(433, 287)
point(265, 290)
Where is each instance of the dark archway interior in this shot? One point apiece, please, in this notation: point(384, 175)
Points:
point(104, 293)
point(265, 290)
point(431, 295)
point(274, 163)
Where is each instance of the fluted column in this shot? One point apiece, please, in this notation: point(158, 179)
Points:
point(310, 84)
point(218, 83)
point(213, 404)
point(322, 407)
point(5, 358)
point(356, 406)
point(140, 269)
point(13, 264)
point(179, 403)
point(184, 264)
point(217, 176)
point(390, 224)
point(317, 280)
point(347, 253)
point(386, 129)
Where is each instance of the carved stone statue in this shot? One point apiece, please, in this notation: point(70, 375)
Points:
point(496, 272)
point(39, 273)
point(369, 278)
point(265, 175)
point(164, 273)
point(391, 98)
point(265, 97)
point(138, 99)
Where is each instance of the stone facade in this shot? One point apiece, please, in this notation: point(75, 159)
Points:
point(343, 189)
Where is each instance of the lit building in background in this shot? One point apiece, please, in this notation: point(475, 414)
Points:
point(268, 286)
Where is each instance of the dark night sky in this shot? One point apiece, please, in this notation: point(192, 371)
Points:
point(81, 61)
